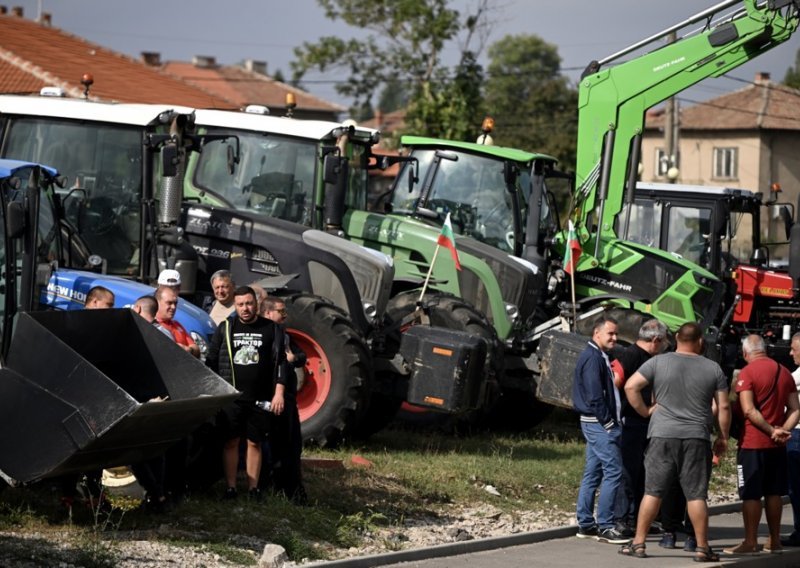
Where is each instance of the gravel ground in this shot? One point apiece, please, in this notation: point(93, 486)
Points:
point(144, 551)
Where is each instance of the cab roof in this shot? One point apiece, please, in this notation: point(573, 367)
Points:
point(500, 152)
point(10, 167)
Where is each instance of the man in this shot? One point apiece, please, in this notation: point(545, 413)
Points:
point(597, 401)
point(684, 384)
point(170, 277)
point(768, 400)
point(243, 351)
point(99, 298)
point(167, 299)
point(222, 286)
point(286, 441)
point(793, 455)
point(147, 307)
point(651, 340)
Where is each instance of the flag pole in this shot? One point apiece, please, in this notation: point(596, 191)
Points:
point(430, 272)
point(574, 307)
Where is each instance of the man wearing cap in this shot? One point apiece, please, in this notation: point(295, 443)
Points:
point(170, 277)
point(222, 286)
point(167, 299)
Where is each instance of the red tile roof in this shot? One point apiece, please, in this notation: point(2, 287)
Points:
point(33, 55)
point(246, 87)
point(763, 105)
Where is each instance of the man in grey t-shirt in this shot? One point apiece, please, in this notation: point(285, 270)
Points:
point(684, 386)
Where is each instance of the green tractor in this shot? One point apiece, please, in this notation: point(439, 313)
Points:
point(316, 174)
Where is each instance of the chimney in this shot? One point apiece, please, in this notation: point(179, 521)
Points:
point(17, 11)
point(46, 19)
point(204, 61)
point(151, 58)
point(762, 77)
point(3, 10)
point(379, 119)
point(254, 66)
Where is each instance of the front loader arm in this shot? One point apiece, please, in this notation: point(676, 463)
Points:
point(613, 101)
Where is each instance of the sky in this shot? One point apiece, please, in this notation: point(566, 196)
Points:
point(269, 30)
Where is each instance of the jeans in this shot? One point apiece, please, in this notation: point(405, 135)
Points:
point(793, 457)
point(629, 496)
point(603, 469)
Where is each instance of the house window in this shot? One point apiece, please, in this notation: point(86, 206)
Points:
point(725, 163)
point(662, 162)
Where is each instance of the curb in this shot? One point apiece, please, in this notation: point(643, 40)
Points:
point(496, 542)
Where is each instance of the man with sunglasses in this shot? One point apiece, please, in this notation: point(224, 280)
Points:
point(651, 340)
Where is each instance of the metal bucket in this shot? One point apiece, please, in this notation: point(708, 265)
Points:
point(76, 392)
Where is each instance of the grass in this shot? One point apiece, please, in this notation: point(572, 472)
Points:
point(414, 474)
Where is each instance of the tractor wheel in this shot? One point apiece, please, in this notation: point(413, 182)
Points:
point(333, 387)
point(450, 312)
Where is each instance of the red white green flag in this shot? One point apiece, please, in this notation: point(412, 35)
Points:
point(573, 252)
point(446, 239)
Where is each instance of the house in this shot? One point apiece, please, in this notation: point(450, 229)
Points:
point(247, 84)
point(747, 138)
point(34, 55)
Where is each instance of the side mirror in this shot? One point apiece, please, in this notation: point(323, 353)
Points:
point(332, 168)
point(794, 252)
point(786, 217)
point(15, 220)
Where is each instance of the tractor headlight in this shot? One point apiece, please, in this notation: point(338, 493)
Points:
point(512, 311)
point(202, 344)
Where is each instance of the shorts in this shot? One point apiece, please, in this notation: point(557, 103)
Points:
point(243, 420)
point(689, 461)
point(762, 473)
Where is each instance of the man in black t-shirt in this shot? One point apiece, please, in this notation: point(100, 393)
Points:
point(652, 338)
point(243, 352)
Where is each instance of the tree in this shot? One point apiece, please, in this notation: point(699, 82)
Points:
point(792, 78)
point(405, 45)
point(533, 105)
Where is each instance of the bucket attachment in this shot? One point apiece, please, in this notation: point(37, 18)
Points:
point(558, 353)
point(76, 392)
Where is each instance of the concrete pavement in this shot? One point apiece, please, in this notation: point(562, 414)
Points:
point(560, 548)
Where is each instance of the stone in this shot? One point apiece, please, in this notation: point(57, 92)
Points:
point(274, 556)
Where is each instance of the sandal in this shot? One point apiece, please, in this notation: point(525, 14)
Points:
point(635, 550)
point(705, 554)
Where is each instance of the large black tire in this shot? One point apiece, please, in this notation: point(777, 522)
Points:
point(335, 384)
point(450, 312)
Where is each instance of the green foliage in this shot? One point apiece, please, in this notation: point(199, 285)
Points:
point(403, 44)
point(533, 105)
point(792, 78)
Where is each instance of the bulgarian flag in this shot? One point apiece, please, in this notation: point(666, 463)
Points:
point(573, 252)
point(446, 239)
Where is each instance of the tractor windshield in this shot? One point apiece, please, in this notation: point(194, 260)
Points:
point(469, 187)
point(275, 175)
point(103, 167)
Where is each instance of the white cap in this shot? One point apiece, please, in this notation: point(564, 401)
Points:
point(169, 277)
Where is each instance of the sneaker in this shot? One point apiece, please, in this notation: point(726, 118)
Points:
point(667, 540)
point(230, 494)
point(625, 530)
point(791, 540)
point(587, 532)
point(254, 494)
point(612, 536)
point(690, 545)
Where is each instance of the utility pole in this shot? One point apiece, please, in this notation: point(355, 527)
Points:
point(671, 133)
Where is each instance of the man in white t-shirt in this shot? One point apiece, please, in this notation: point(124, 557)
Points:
point(222, 285)
point(793, 456)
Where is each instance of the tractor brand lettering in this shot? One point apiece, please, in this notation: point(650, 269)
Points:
point(663, 66)
point(770, 291)
point(65, 292)
point(206, 224)
point(605, 282)
point(374, 231)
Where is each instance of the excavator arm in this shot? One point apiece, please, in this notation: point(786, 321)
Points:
point(613, 99)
